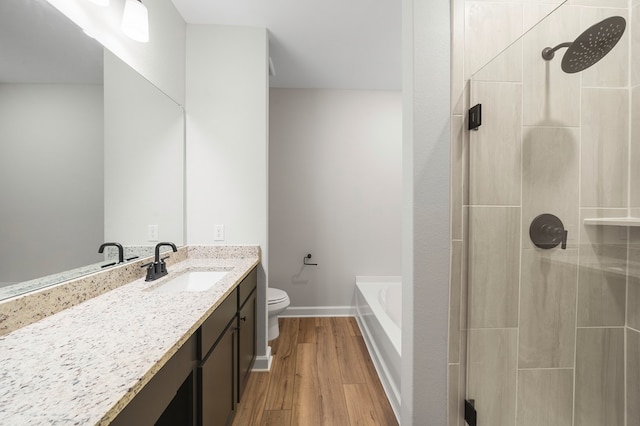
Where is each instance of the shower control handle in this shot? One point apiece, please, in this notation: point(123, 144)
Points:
point(547, 231)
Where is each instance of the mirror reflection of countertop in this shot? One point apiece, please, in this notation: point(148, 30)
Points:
point(84, 364)
point(20, 288)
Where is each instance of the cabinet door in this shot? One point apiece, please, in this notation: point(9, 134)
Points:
point(246, 341)
point(217, 381)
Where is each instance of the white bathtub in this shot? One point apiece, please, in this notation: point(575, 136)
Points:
point(379, 314)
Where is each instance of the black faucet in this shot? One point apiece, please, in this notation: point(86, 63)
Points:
point(120, 250)
point(158, 268)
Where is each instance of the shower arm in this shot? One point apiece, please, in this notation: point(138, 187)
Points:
point(548, 53)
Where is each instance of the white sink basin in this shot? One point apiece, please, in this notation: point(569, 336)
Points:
point(192, 281)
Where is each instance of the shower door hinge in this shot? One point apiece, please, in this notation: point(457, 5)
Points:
point(470, 412)
point(475, 117)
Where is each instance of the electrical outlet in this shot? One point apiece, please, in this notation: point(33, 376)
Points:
point(219, 233)
point(152, 233)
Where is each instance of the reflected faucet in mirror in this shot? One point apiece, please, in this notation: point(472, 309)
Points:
point(120, 250)
point(158, 268)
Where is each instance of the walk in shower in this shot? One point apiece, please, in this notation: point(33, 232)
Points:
point(553, 224)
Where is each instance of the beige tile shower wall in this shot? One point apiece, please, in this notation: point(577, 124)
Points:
point(550, 176)
point(633, 328)
point(494, 261)
point(633, 293)
point(633, 376)
point(489, 28)
point(600, 3)
point(492, 380)
point(605, 143)
point(635, 136)
point(494, 152)
point(599, 385)
point(548, 309)
point(602, 273)
point(633, 285)
point(545, 397)
point(635, 43)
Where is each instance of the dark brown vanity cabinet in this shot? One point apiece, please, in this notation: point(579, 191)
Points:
point(217, 381)
point(169, 397)
point(246, 330)
point(217, 371)
point(203, 382)
point(228, 351)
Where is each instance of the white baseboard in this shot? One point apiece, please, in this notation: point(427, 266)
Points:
point(319, 311)
point(263, 363)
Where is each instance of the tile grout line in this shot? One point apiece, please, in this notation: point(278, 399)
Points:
point(577, 279)
point(629, 151)
point(520, 236)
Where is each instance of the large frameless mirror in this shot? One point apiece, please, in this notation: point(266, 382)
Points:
point(91, 152)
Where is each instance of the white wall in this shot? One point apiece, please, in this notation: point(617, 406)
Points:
point(227, 141)
point(335, 191)
point(50, 219)
point(161, 60)
point(426, 223)
point(143, 157)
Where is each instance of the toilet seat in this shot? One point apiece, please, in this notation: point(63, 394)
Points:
point(275, 296)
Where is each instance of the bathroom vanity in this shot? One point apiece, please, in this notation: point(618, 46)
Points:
point(137, 355)
point(203, 380)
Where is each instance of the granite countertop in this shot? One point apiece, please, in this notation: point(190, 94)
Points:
point(84, 364)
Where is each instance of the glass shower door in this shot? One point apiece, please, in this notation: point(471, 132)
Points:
point(551, 296)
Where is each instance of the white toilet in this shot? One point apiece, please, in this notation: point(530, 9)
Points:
point(277, 302)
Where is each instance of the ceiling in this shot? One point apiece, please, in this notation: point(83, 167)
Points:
point(326, 44)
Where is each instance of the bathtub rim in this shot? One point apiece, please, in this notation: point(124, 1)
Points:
point(380, 313)
point(381, 364)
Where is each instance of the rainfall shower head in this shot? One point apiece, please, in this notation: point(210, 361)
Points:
point(591, 46)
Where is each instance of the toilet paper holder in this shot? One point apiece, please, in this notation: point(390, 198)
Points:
point(304, 260)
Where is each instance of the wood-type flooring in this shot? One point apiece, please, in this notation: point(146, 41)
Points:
point(321, 374)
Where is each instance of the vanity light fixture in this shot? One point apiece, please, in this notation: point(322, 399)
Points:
point(103, 3)
point(135, 21)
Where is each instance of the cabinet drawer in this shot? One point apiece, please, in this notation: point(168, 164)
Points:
point(247, 286)
point(213, 327)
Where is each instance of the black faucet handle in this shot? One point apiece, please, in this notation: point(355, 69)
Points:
point(173, 247)
point(158, 268)
point(113, 244)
